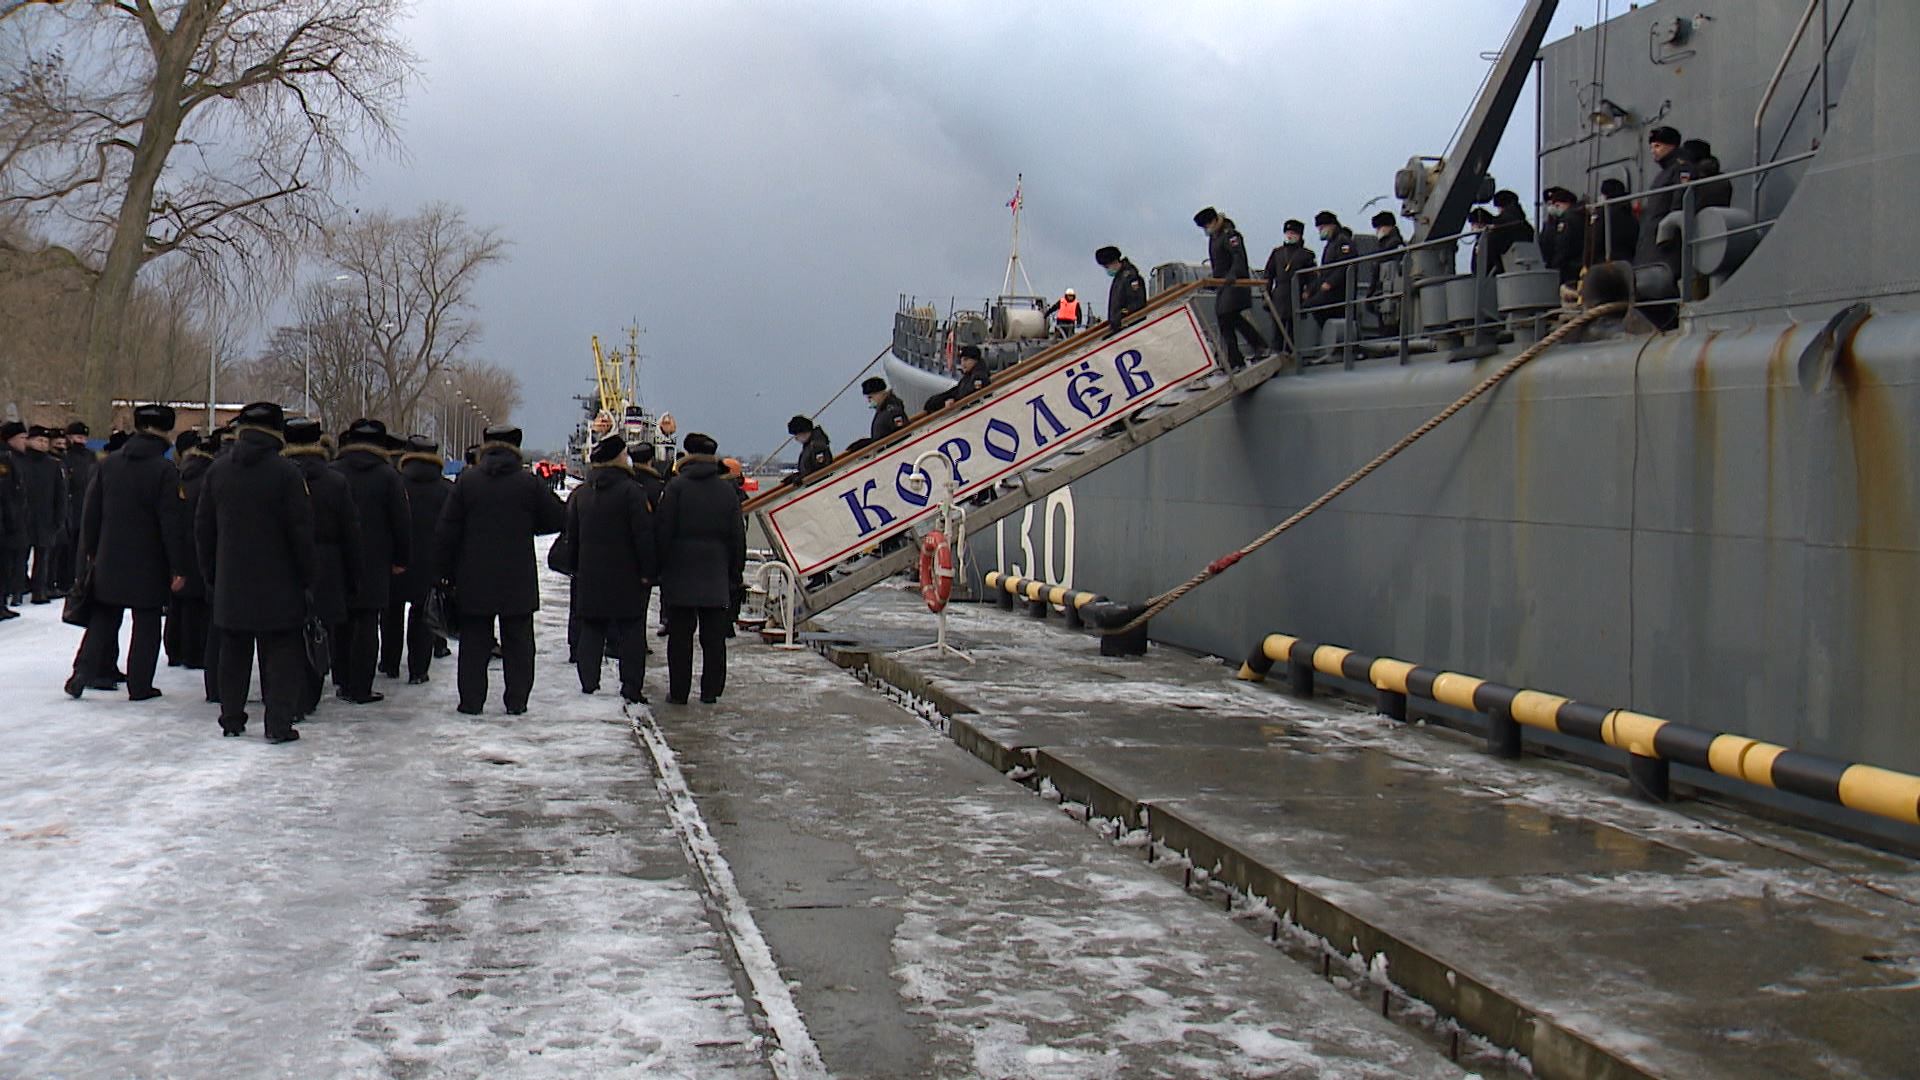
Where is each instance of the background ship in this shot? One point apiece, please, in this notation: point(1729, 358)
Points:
point(615, 407)
point(1716, 523)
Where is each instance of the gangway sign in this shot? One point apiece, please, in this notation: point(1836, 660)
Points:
point(1033, 417)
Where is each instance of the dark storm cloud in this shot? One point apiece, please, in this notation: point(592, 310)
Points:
point(756, 183)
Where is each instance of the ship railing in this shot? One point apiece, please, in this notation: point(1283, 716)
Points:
point(1426, 263)
point(1689, 192)
point(1418, 267)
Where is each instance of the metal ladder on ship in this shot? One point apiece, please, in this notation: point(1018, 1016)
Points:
point(1110, 437)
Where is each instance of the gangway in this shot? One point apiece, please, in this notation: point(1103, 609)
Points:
point(1040, 425)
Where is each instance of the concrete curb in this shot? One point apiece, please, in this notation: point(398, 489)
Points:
point(1477, 1004)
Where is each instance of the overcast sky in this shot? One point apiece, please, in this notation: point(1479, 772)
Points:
point(756, 183)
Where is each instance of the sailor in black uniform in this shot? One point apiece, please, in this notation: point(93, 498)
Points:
point(484, 550)
point(1227, 259)
point(254, 529)
point(133, 531)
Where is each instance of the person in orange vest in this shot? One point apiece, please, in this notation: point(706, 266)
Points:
point(1066, 313)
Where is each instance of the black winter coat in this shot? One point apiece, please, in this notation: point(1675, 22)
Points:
point(815, 454)
point(1227, 258)
point(608, 542)
point(1563, 242)
point(1657, 206)
point(193, 475)
point(386, 528)
point(1126, 294)
point(46, 492)
point(13, 504)
point(1710, 192)
point(1285, 266)
point(1625, 232)
point(1330, 283)
point(134, 526)
point(80, 461)
point(337, 543)
point(890, 416)
point(701, 536)
point(425, 479)
point(254, 529)
point(653, 484)
point(484, 540)
point(1509, 227)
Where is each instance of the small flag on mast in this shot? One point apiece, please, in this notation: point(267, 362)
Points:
point(1014, 203)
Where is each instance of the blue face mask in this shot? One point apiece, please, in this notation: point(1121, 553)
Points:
point(1113, 271)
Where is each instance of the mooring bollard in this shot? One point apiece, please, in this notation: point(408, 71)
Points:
point(1503, 733)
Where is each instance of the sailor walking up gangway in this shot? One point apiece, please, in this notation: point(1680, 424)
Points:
point(1042, 424)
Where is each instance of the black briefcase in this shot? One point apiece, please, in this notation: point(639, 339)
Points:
point(313, 635)
point(77, 610)
point(441, 617)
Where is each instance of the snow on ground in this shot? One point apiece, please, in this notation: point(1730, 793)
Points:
point(1031, 947)
point(403, 892)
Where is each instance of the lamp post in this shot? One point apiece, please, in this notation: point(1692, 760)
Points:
point(213, 361)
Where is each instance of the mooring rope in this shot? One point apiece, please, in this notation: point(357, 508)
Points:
point(1224, 563)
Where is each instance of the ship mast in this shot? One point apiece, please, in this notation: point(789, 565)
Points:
point(1013, 257)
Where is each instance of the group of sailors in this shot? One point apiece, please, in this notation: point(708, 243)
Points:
point(271, 538)
point(43, 476)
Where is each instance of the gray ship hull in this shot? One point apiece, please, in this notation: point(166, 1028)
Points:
point(1669, 524)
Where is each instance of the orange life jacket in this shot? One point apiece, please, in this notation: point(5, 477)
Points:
point(1069, 309)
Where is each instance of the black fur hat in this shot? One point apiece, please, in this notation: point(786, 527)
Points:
point(79, 427)
point(303, 431)
point(799, 425)
point(153, 418)
point(608, 449)
point(1294, 225)
point(697, 443)
point(365, 432)
point(264, 414)
point(421, 444)
point(970, 352)
point(503, 433)
point(642, 453)
point(873, 385)
point(185, 441)
point(11, 428)
point(1207, 216)
point(1383, 219)
point(1107, 256)
point(1326, 217)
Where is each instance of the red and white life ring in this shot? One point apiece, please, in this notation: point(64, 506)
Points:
point(936, 571)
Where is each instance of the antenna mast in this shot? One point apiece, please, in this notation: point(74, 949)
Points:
point(1013, 258)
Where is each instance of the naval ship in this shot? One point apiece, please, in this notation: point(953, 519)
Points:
point(1715, 521)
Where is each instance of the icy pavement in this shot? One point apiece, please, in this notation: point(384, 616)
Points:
point(939, 920)
point(1596, 933)
point(404, 892)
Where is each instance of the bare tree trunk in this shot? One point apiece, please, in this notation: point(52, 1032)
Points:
point(113, 289)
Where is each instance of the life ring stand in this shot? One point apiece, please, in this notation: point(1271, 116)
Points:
point(936, 571)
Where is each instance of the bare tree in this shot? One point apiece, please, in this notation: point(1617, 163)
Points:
point(469, 397)
point(322, 356)
point(412, 278)
point(265, 95)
